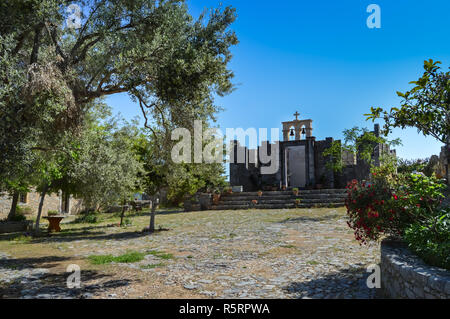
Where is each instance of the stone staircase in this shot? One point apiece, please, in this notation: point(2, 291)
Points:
point(282, 199)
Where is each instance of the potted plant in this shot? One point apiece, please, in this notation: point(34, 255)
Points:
point(295, 191)
point(254, 202)
point(216, 197)
point(52, 213)
point(260, 193)
point(297, 202)
point(283, 187)
point(229, 190)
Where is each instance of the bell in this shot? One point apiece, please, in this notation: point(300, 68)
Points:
point(292, 132)
point(303, 131)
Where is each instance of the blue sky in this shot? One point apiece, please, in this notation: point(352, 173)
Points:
point(321, 59)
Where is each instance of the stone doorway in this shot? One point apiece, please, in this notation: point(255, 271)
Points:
point(295, 166)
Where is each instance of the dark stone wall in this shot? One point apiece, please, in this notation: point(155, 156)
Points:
point(323, 173)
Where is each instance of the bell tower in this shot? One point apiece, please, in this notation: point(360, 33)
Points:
point(297, 128)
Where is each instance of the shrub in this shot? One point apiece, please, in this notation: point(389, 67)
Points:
point(19, 217)
point(87, 218)
point(369, 212)
point(24, 210)
point(389, 206)
point(430, 240)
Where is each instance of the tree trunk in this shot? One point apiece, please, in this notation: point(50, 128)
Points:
point(123, 212)
point(12, 212)
point(152, 215)
point(41, 204)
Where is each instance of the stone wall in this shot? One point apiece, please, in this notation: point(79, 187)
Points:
point(405, 276)
point(323, 173)
point(51, 202)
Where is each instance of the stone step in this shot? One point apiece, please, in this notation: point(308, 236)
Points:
point(283, 197)
point(282, 201)
point(274, 206)
point(301, 192)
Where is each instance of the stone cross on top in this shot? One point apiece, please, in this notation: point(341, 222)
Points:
point(296, 114)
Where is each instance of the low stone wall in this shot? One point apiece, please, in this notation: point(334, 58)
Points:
point(404, 275)
point(13, 227)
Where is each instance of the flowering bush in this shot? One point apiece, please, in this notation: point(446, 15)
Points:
point(430, 239)
point(389, 207)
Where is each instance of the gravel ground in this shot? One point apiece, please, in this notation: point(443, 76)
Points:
point(298, 253)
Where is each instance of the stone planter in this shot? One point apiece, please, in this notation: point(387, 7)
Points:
point(14, 227)
point(405, 276)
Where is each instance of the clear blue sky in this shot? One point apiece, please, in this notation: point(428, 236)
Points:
point(320, 58)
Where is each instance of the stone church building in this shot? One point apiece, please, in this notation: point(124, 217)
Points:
point(301, 162)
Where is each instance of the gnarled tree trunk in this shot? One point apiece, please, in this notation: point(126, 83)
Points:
point(41, 204)
point(15, 200)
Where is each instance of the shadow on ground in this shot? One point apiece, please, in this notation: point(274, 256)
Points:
point(52, 286)
point(343, 284)
point(311, 218)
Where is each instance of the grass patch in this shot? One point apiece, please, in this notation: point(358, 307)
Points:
point(288, 246)
point(160, 254)
point(22, 239)
point(312, 262)
point(152, 266)
point(130, 257)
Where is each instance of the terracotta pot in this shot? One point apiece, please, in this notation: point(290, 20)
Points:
point(216, 199)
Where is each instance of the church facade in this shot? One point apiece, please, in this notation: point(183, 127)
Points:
point(300, 159)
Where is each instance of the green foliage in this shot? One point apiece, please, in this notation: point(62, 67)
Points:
point(357, 141)
point(410, 166)
point(389, 205)
point(106, 169)
point(18, 217)
point(335, 151)
point(127, 222)
point(180, 180)
point(426, 106)
point(51, 76)
point(52, 213)
point(24, 210)
point(430, 239)
point(87, 218)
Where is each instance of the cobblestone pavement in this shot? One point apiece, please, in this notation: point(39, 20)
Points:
point(304, 253)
